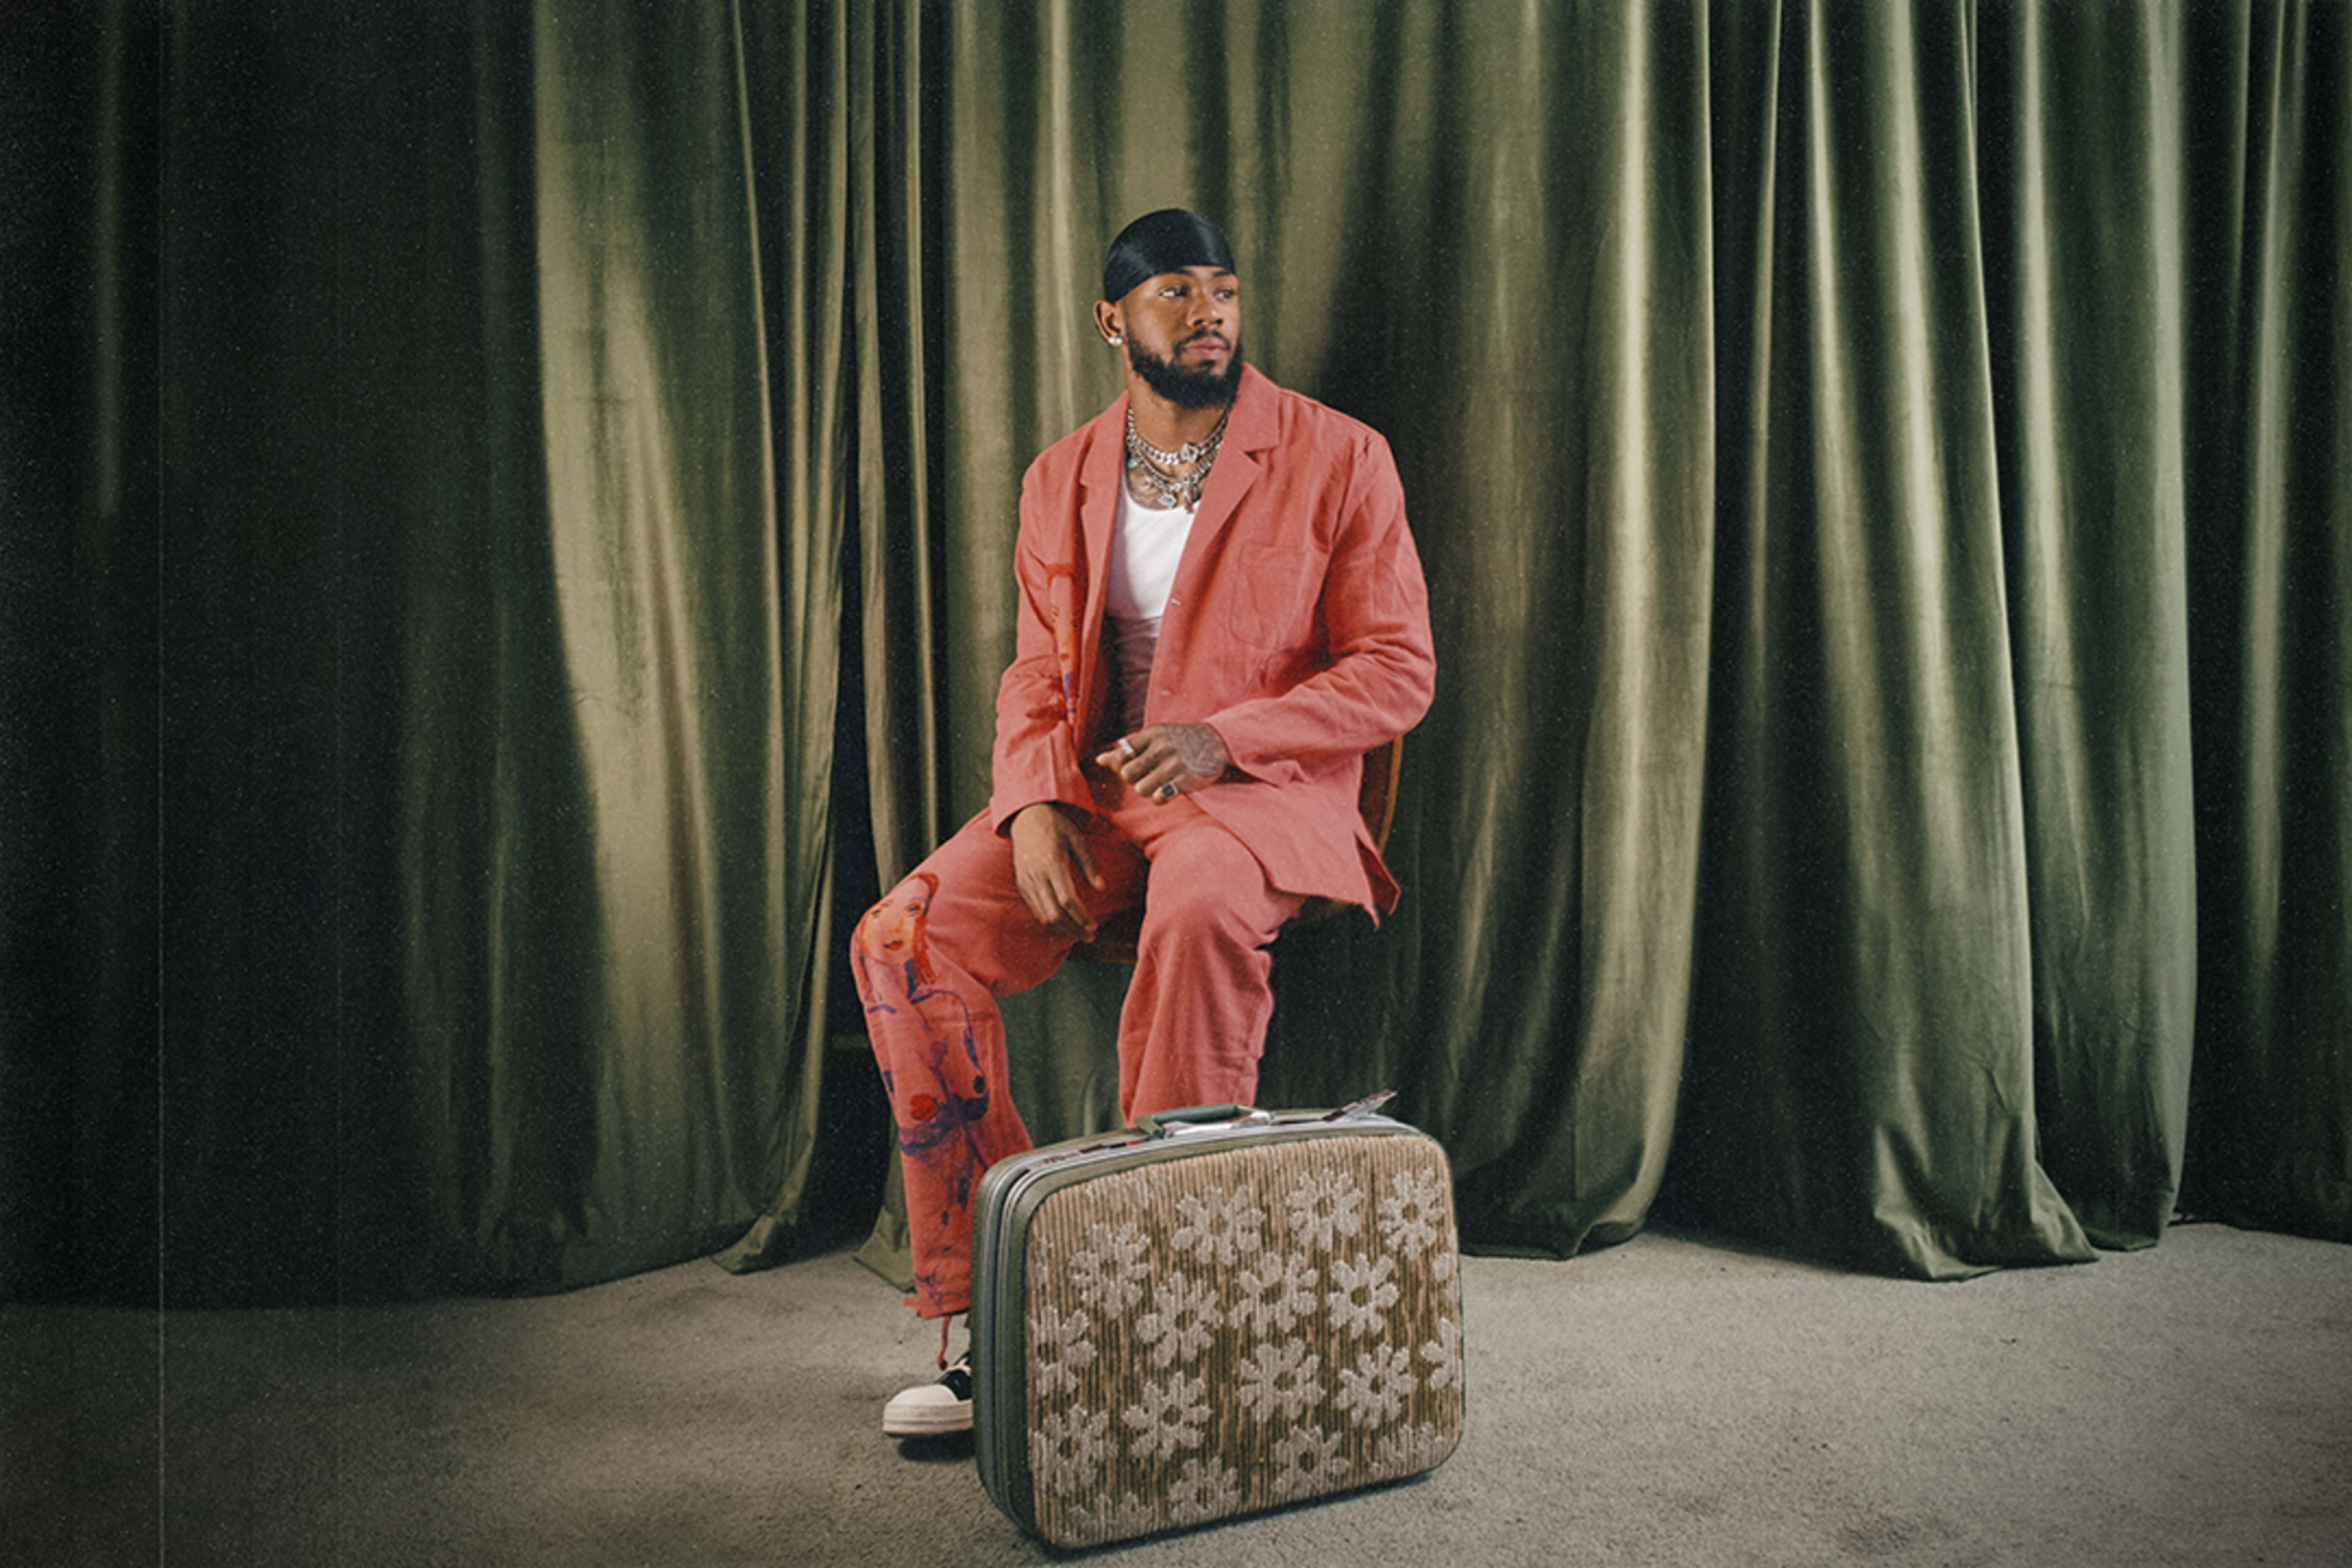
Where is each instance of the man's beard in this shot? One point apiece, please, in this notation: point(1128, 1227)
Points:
point(1187, 388)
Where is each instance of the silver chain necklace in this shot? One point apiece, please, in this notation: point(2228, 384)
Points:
point(1147, 465)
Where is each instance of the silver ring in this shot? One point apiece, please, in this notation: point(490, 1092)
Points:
point(1165, 792)
point(1125, 747)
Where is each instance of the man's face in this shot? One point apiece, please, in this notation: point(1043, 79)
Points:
point(1183, 332)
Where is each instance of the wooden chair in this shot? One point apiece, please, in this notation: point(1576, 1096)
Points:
point(1115, 938)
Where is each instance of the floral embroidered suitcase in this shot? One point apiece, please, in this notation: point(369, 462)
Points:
point(1218, 1311)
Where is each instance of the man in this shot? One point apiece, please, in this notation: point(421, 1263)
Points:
point(1220, 611)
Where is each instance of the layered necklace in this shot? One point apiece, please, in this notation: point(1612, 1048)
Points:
point(1147, 467)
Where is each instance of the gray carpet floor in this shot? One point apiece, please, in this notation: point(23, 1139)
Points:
point(1669, 1400)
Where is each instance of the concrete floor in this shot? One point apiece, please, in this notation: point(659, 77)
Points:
point(1670, 1401)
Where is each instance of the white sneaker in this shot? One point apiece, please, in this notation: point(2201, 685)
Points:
point(933, 1409)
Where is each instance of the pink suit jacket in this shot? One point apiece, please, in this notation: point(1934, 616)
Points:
point(1298, 626)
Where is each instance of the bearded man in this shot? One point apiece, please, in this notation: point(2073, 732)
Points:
point(1220, 611)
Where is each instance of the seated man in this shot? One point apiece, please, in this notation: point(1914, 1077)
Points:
point(1220, 611)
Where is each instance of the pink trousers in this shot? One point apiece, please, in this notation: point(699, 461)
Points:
point(935, 954)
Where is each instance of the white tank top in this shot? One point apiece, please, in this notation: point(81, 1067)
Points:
point(1145, 547)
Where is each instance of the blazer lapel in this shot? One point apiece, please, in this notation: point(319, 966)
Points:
point(1101, 475)
point(1250, 428)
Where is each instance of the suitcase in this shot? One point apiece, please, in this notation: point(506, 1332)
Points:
point(1217, 1311)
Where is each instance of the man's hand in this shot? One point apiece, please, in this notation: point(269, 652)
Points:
point(1046, 847)
point(1163, 760)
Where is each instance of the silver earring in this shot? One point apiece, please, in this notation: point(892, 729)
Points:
point(1115, 341)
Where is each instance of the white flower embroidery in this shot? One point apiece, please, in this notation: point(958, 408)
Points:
point(1443, 1355)
point(1107, 1270)
point(1059, 1349)
point(1276, 1292)
point(1364, 1293)
point(1324, 1206)
point(1182, 1321)
point(1220, 1229)
point(1150, 1185)
point(1306, 1462)
point(1202, 1491)
point(1171, 1416)
point(1413, 1209)
point(1280, 1374)
point(1101, 1518)
point(1409, 1450)
point(1374, 1389)
point(1068, 1450)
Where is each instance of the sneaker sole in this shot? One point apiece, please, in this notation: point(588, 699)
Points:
point(928, 1426)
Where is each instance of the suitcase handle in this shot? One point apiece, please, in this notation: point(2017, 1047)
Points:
point(1168, 1123)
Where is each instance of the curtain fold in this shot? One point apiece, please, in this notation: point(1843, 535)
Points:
point(1880, 469)
point(694, 834)
point(337, 445)
point(1875, 887)
point(1555, 788)
point(79, 752)
point(2272, 1111)
point(2083, 118)
point(808, 155)
point(492, 886)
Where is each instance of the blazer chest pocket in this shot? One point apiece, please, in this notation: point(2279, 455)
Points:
point(1275, 595)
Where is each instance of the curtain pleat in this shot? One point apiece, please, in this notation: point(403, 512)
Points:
point(1880, 470)
point(78, 749)
point(2082, 120)
point(1554, 792)
point(491, 877)
point(2272, 657)
point(697, 831)
point(1886, 860)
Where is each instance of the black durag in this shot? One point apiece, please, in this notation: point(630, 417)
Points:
point(1166, 241)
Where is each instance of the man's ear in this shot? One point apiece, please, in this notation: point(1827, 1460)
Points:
point(1109, 322)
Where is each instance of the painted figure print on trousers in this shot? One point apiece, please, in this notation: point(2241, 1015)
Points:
point(953, 1119)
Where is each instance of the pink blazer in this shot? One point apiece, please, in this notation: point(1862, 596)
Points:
point(1299, 626)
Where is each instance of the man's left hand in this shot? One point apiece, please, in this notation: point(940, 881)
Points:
point(1164, 761)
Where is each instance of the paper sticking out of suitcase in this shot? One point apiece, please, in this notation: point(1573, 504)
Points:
point(1218, 1311)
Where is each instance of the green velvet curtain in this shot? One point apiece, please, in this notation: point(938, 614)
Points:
point(521, 553)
